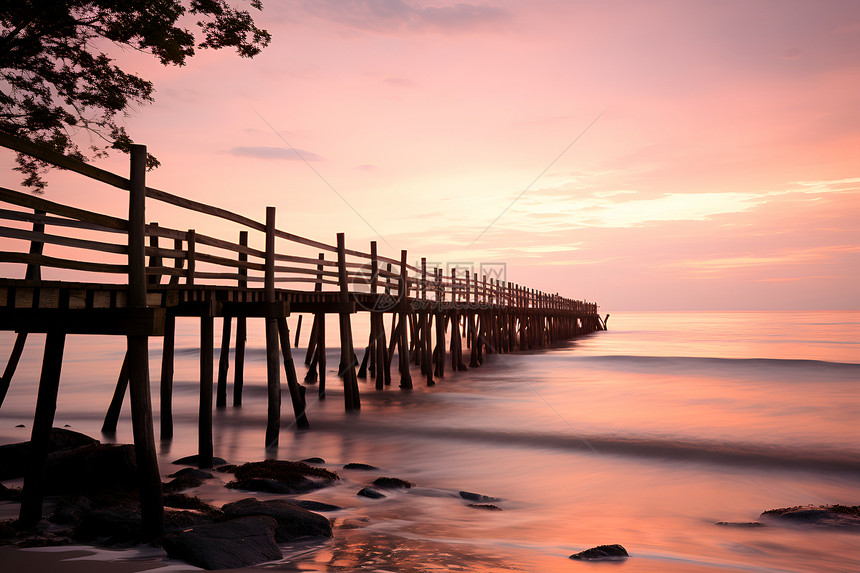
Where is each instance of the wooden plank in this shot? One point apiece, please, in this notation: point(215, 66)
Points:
point(304, 241)
point(27, 200)
point(305, 260)
point(26, 235)
point(48, 155)
point(54, 262)
point(207, 258)
point(122, 321)
point(54, 221)
point(206, 240)
point(191, 205)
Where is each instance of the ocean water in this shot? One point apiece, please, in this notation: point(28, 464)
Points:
point(645, 435)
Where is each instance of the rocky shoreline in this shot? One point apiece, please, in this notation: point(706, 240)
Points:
point(95, 502)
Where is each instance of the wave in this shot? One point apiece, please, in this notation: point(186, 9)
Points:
point(695, 362)
point(749, 455)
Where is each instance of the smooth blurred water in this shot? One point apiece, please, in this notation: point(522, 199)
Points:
point(644, 435)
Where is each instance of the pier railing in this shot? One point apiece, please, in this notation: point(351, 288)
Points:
point(194, 257)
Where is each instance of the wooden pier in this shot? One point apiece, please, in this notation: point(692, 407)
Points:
point(162, 273)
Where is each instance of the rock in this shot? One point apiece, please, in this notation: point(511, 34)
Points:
point(13, 456)
point(358, 466)
point(477, 497)
point(6, 530)
point(293, 521)
point(182, 501)
point(72, 510)
point(487, 506)
point(355, 523)
point(371, 493)
point(281, 476)
point(602, 553)
point(178, 520)
point(193, 461)
point(313, 461)
point(91, 468)
point(739, 524)
point(831, 516)
point(194, 472)
point(386, 482)
point(20, 426)
point(111, 526)
point(261, 485)
point(185, 481)
point(230, 544)
point(9, 493)
point(316, 505)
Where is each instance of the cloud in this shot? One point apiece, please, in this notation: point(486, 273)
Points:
point(400, 82)
point(267, 152)
point(395, 15)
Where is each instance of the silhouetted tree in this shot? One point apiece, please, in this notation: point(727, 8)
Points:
point(57, 81)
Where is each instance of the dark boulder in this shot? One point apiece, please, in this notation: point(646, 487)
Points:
point(602, 553)
point(313, 461)
point(485, 506)
point(182, 482)
point(91, 468)
point(182, 501)
point(739, 524)
point(194, 472)
point(110, 525)
point(477, 497)
point(293, 521)
point(825, 516)
point(359, 466)
point(371, 493)
point(9, 493)
point(230, 544)
point(281, 476)
point(194, 461)
point(391, 483)
point(316, 505)
point(13, 457)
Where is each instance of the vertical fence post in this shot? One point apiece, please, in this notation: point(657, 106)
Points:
point(151, 505)
point(191, 259)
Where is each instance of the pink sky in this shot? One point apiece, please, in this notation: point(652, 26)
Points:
point(723, 172)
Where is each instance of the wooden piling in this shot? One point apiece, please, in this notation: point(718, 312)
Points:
point(204, 419)
point(46, 405)
point(273, 380)
point(151, 505)
point(113, 412)
point(352, 401)
point(297, 392)
point(223, 363)
point(241, 329)
point(33, 273)
point(403, 347)
point(167, 363)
